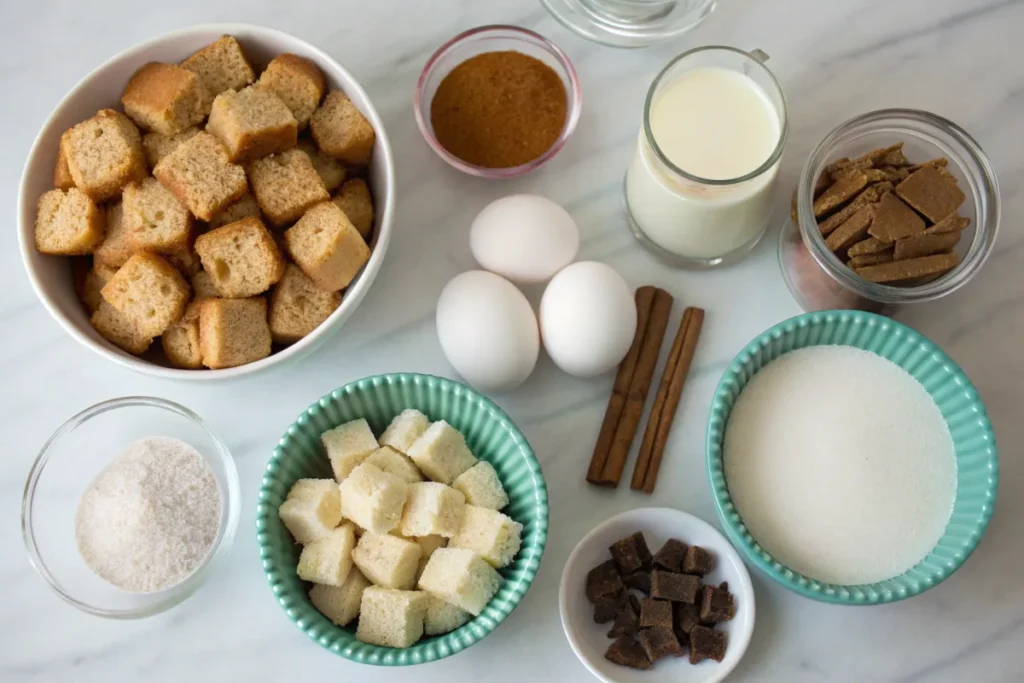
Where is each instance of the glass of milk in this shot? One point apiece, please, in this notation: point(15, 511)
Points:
point(699, 191)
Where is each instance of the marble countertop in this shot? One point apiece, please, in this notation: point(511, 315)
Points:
point(834, 60)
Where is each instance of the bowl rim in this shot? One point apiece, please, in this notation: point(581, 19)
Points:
point(353, 295)
point(853, 594)
point(177, 593)
point(266, 514)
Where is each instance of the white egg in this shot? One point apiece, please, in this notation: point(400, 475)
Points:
point(524, 237)
point(587, 318)
point(488, 330)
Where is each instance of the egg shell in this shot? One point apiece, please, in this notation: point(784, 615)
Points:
point(488, 331)
point(525, 238)
point(587, 318)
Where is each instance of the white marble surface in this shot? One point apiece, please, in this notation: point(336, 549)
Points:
point(959, 59)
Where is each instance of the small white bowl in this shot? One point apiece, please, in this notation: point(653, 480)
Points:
point(590, 641)
point(51, 275)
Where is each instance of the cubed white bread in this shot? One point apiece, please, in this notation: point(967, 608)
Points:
point(443, 617)
point(461, 577)
point(393, 462)
point(441, 453)
point(347, 446)
point(328, 560)
point(312, 509)
point(428, 544)
point(373, 499)
point(341, 603)
point(387, 560)
point(432, 508)
point(403, 431)
point(391, 618)
point(481, 486)
point(490, 534)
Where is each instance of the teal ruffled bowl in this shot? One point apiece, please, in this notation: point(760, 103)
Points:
point(491, 436)
point(974, 443)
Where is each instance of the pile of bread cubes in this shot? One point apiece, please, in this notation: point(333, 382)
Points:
point(407, 536)
point(185, 254)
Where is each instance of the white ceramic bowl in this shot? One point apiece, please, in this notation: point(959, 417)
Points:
point(590, 641)
point(51, 276)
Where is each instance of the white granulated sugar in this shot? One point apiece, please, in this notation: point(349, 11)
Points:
point(150, 518)
point(840, 465)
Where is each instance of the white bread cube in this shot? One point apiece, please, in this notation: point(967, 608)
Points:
point(461, 577)
point(347, 446)
point(403, 431)
point(373, 499)
point(432, 508)
point(490, 534)
point(341, 603)
point(391, 618)
point(312, 509)
point(443, 617)
point(393, 462)
point(328, 560)
point(481, 487)
point(387, 560)
point(441, 453)
point(428, 544)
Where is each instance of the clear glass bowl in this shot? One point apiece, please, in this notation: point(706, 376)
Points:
point(69, 461)
point(817, 278)
point(629, 23)
point(491, 39)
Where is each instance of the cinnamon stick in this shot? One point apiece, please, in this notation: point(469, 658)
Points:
point(659, 425)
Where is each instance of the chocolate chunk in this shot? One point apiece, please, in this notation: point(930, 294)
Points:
point(706, 643)
point(608, 606)
point(871, 245)
point(925, 245)
point(852, 231)
point(933, 192)
point(687, 616)
point(954, 223)
point(697, 561)
point(627, 652)
point(631, 553)
point(660, 642)
point(634, 604)
point(870, 195)
point(671, 555)
point(894, 220)
point(843, 189)
point(655, 613)
point(603, 580)
point(626, 624)
point(640, 580)
point(873, 259)
point(674, 587)
point(911, 269)
point(717, 604)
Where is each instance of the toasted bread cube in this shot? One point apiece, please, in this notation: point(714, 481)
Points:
point(481, 486)
point(62, 179)
point(391, 618)
point(153, 218)
point(331, 173)
point(298, 306)
point(311, 510)
point(104, 154)
point(326, 246)
point(185, 259)
point(202, 286)
point(245, 207)
point(298, 82)
point(286, 185)
point(387, 560)
point(443, 617)
point(181, 340)
point(393, 462)
point(328, 560)
point(165, 98)
point(490, 534)
point(252, 123)
point(221, 65)
point(340, 604)
point(348, 446)
point(150, 292)
point(460, 577)
point(432, 509)
point(233, 332)
point(68, 223)
point(341, 130)
point(119, 330)
point(89, 282)
point(241, 258)
point(116, 248)
point(200, 175)
point(355, 200)
point(156, 145)
point(404, 429)
point(441, 453)
point(373, 499)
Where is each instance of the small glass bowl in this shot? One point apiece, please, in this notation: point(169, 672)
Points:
point(629, 23)
point(817, 278)
point(492, 39)
point(65, 467)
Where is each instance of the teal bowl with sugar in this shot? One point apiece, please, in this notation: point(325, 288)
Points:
point(490, 435)
point(957, 399)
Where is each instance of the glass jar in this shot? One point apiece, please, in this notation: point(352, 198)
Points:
point(629, 23)
point(693, 221)
point(817, 278)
